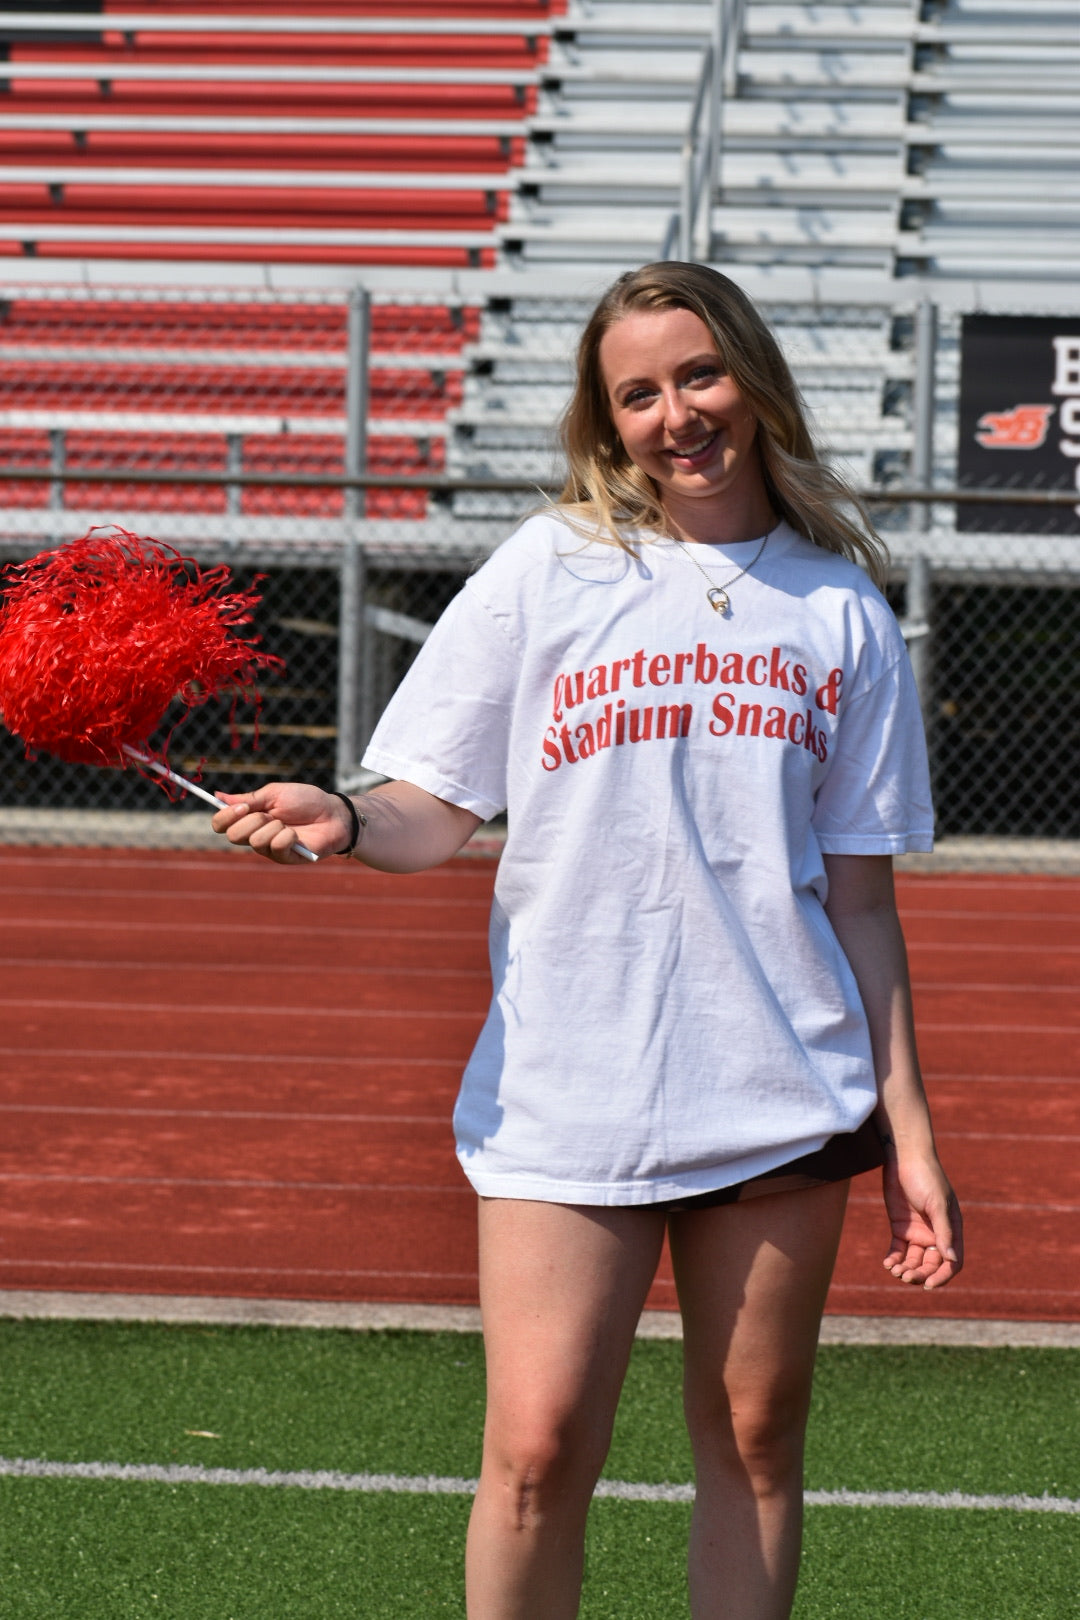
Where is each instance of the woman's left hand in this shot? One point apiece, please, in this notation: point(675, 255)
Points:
point(927, 1228)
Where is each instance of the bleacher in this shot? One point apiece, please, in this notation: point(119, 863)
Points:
point(872, 155)
point(993, 184)
point(185, 134)
point(182, 383)
point(186, 146)
point(484, 166)
point(189, 193)
point(812, 137)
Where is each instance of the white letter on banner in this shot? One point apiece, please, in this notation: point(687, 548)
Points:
point(1067, 367)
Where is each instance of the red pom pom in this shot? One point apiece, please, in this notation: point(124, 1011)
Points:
point(98, 637)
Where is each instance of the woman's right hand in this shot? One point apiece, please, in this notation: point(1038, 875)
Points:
point(277, 817)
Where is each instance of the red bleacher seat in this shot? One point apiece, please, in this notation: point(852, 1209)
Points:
point(431, 154)
point(168, 322)
point(24, 447)
point(402, 82)
point(74, 99)
point(416, 328)
point(405, 50)
point(511, 10)
point(187, 452)
point(171, 252)
point(423, 328)
point(245, 206)
point(311, 453)
point(304, 453)
point(81, 386)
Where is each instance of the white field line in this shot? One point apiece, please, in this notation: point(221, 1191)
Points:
point(437, 1485)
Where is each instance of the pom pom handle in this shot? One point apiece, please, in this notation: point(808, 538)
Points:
point(193, 787)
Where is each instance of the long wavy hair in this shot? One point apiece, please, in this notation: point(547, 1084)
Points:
point(605, 494)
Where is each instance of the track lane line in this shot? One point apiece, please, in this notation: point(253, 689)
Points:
point(241, 1183)
point(306, 1117)
point(857, 1202)
point(296, 930)
point(175, 1054)
point(265, 969)
point(227, 1009)
point(310, 1117)
point(249, 1009)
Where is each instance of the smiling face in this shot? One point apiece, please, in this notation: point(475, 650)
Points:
point(683, 421)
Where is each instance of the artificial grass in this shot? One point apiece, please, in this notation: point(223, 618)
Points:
point(884, 1417)
point(115, 1551)
point(403, 1403)
point(920, 1564)
point(889, 1418)
point(858, 1564)
point(70, 1550)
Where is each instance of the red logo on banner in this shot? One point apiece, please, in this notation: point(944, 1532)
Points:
point(1023, 428)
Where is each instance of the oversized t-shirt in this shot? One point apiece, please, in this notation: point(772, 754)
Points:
point(671, 1010)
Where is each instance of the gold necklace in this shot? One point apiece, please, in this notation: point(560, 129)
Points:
point(717, 595)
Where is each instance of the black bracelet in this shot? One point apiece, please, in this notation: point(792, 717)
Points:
point(357, 823)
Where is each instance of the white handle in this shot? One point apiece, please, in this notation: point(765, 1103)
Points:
point(200, 792)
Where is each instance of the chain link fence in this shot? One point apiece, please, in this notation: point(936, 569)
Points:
point(441, 415)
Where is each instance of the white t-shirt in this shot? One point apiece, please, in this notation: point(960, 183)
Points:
point(672, 1011)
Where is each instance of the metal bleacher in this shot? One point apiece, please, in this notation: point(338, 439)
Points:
point(191, 191)
point(151, 160)
point(873, 155)
point(212, 134)
point(812, 139)
point(993, 135)
point(812, 165)
point(485, 167)
point(180, 380)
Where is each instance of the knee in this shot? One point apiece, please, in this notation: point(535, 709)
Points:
point(541, 1468)
point(768, 1439)
point(760, 1438)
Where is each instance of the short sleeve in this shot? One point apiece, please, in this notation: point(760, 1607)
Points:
point(875, 799)
point(447, 727)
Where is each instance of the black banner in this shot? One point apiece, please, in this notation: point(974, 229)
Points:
point(1020, 418)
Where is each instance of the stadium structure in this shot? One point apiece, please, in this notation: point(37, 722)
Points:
point(247, 239)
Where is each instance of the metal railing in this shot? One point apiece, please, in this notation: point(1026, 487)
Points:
point(894, 495)
point(689, 231)
point(358, 563)
point(387, 592)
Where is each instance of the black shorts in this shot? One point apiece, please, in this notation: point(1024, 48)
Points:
point(842, 1156)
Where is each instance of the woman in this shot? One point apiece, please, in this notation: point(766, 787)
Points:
point(700, 715)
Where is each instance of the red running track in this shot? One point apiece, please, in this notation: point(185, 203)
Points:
point(223, 1078)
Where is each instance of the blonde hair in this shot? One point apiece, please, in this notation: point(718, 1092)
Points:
point(605, 492)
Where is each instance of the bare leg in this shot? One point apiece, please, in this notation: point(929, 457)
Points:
point(752, 1280)
point(561, 1290)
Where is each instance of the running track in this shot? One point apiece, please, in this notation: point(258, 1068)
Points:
point(223, 1078)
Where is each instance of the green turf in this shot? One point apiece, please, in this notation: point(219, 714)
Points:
point(108, 1551)
point(980, 1421)
point(278, 1398)
point(112, 1551)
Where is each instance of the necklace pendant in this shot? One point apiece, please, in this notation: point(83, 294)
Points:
point(718, 599)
